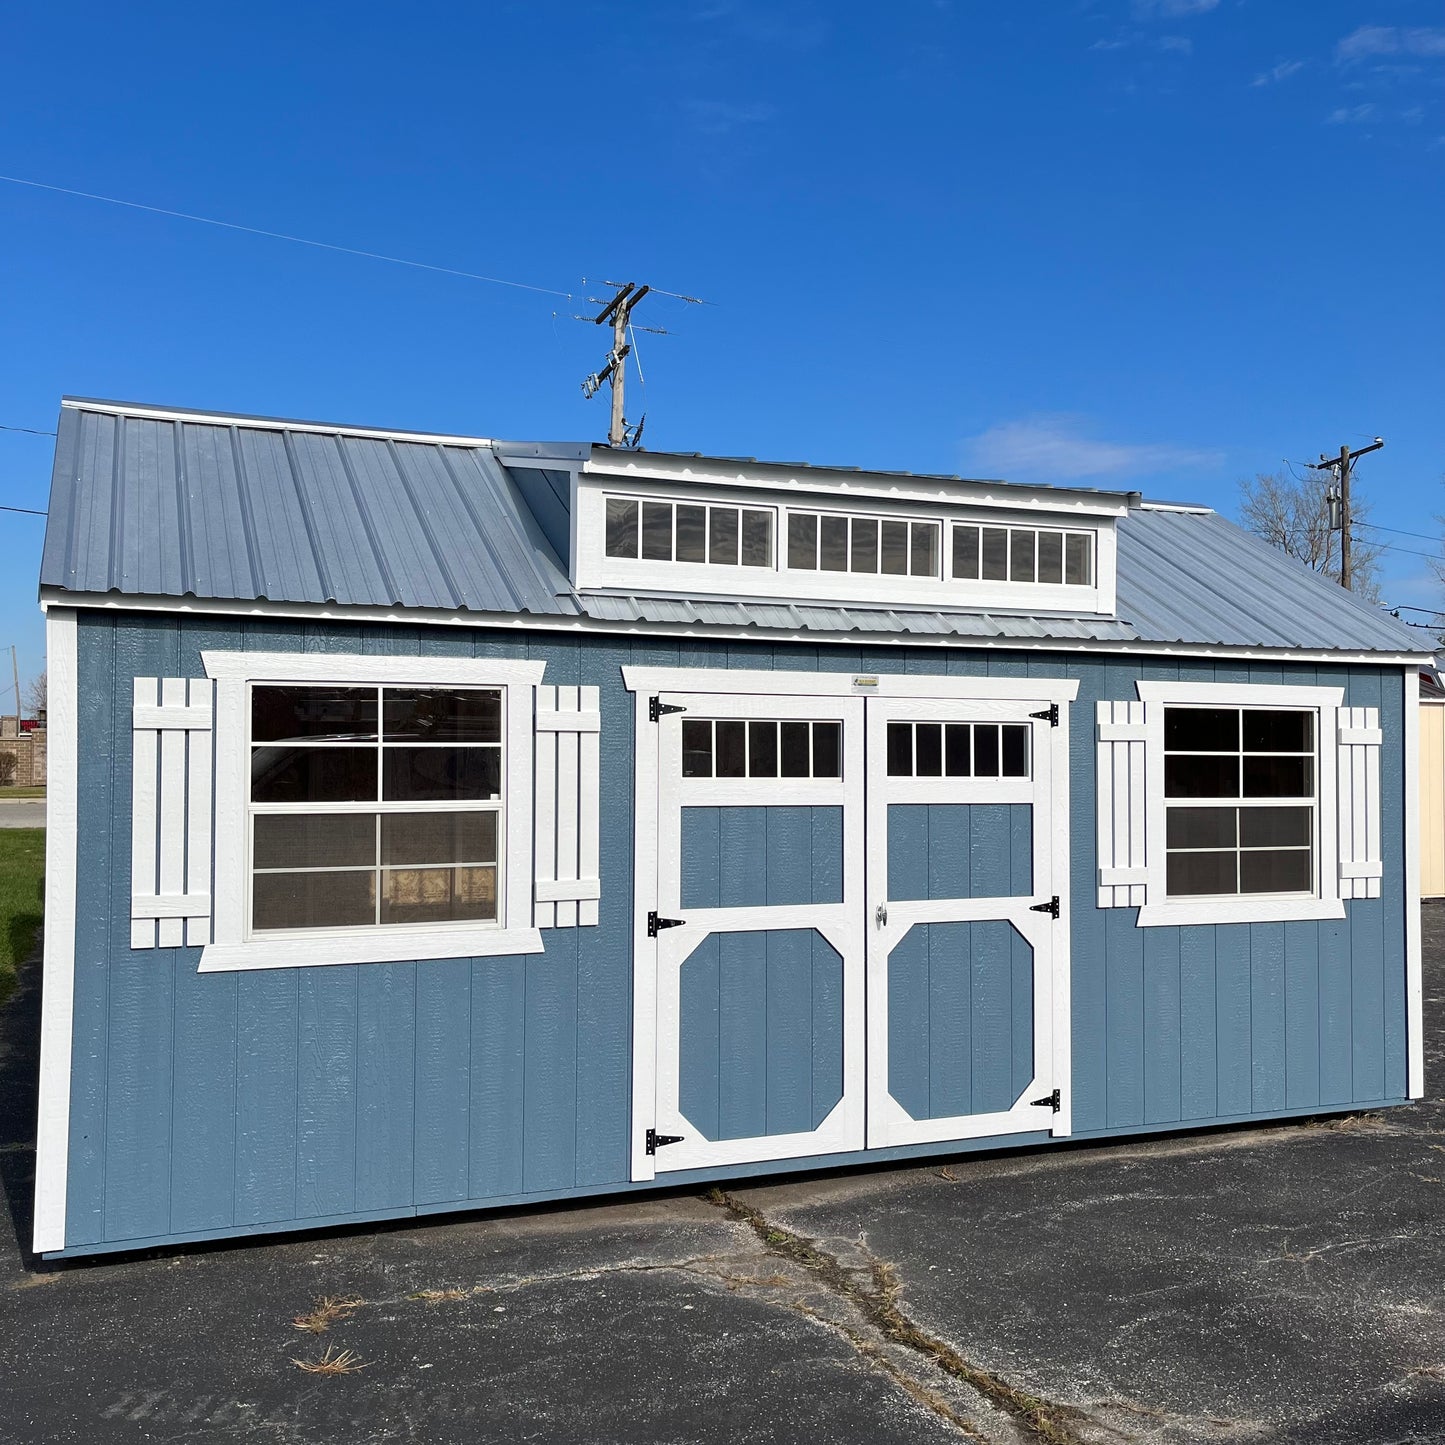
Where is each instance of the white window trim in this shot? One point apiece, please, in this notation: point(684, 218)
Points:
point(231, 947)
point(593, 569)
point(1159, 911)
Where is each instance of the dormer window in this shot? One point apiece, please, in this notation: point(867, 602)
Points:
point(649, 531)
point(1022, 554)
point(828, 542)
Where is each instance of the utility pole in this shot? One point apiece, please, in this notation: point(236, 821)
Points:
point(618, 311)
point(1342, 465)
point(15, 672)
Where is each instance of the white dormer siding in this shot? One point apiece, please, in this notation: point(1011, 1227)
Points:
point(708, 529)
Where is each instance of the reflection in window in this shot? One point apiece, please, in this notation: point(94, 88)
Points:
point(1239, 788)
point(958, 750)
point(374, 805)
point(761, 748)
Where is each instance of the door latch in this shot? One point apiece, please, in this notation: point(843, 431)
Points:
point(1051, 907)
point(880, 916)
point(655, 925)
point(1052, 1101)
point(656, 1141)
point(656, 708)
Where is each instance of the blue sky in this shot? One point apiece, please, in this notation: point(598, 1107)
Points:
point(1154, 243)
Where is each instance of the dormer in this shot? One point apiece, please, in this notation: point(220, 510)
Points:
point(672, 524)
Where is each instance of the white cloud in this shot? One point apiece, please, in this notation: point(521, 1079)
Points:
point(1056, 448)
point(1276, 73)
point(1171, 9)
point(1371, 40)
point(1351, 115)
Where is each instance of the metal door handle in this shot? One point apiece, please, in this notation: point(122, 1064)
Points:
point(881, 916)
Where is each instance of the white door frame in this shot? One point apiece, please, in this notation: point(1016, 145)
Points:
point(645, 682)
point(890, 920)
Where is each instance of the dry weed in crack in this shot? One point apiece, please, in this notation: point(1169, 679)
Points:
point(440, 1296)
point(325, 1313)
point(878, 1304)
point(332, 1362)
point(946, 1173)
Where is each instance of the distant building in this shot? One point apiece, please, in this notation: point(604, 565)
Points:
point(22, 752)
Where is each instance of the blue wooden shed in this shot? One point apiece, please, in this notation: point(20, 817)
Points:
point(440, 823)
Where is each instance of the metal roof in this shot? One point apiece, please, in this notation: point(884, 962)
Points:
point(163, 503)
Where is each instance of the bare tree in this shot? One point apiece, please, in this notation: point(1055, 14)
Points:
point(1293, 514)
point(35, 696)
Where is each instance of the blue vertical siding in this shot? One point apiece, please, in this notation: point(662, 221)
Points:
point(204, 1104)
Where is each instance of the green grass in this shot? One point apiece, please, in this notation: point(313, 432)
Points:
point(22, 792)
point(22, 868)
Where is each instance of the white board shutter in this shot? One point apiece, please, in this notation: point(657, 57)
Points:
point(1357, 796)
point(568, 726)
point(170, 902)
point(1121, 804)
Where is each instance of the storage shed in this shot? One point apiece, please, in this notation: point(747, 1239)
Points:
point(441, 823)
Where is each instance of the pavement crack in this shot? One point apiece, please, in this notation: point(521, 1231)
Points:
point(874, 1291)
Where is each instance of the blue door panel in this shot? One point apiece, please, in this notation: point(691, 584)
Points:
point(959, 850)
point(742, 857)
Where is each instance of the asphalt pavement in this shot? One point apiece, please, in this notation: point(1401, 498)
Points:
point(22, 812)
point(1278, 1284)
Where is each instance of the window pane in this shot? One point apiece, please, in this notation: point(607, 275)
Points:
point(923, 553)
point(731, 749)
point(995, 554)
point(1201, 777)
point(1266, 777)
point(313, 775)
point(1196, 873)
point(722, 546)
point(900, 750)
point(833, 543)
point(657, 531)
point(691, 533)
point(422, 714)
point(928, 750)
point(313, 900)
point(1286, 870)
point(795, 749)
point(621, 527)
point(438, 895)
point(1078, 560)
point(802, 542)
point(1275, 827)
point(285, 714)
point(411, 838)
point(965, 552)
point(696, 748)
point(985, 750)
point(1201, 729)
point(1279, 732)
point(441, 774)
point(827, 750)
point(1021, 555)
point(757, 539)
point(762, 750)
point(894, 547)
point(1201, 827)
point(864, 555)
point(957, 750)
point(1051, 556)
point(314, 840)
point(1015, 750)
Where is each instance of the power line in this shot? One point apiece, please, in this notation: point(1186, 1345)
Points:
point(29, 430)
point(283, 236)
point(29, 511)
point(1399, 531)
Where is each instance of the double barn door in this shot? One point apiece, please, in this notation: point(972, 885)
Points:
point(847, 931)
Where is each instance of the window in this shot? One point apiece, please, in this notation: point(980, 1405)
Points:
point(374, 806)
point(689, 532)
point(958, 750)
point(761, 748)
point(1240, 801)
point(821, 541)
point(1022, 554)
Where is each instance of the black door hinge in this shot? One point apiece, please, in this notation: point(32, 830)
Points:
point(1049, 715)
point(1051, 1101)
point(656, 1141)
point(656, 707)
point(1051, 907)
point(655, 925)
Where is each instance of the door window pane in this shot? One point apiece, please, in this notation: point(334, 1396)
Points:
point(985, 750)
point(696, 748)
point(795, 749)
point(965, 552)
point(803, 541)
point(928, 750)
point(1015, 738)
point(995, 554)
point(757, 539)
point(731, 743)
point(722, 549)
point(657, 531)
point(827, 750)
point(621, 527)
point(290, 714)
point(763, 750)
point(894, 548)
point(691, 533)
point(900, 750)
point(958, 750)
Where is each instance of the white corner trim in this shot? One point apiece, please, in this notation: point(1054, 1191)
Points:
point(844, 684)
point(52, 1135)
point(378, 946)
point(356, 667)
point(1182, 913)
point(1241, 694)
point(1414, 987)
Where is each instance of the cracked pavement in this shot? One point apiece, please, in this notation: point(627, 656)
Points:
point(1279, 1284)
